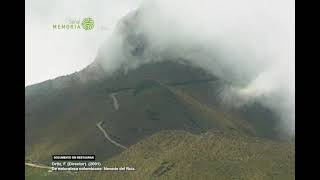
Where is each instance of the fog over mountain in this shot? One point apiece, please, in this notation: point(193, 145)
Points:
point(173, 88)
point(248, 43)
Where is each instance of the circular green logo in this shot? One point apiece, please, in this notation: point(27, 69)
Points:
point(87, 23)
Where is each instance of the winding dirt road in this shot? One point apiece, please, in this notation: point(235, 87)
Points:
point(115, 101)
point(108, 137)
point(38, 166)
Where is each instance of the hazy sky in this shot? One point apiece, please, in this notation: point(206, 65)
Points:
point(247, 41)
point(51, 53)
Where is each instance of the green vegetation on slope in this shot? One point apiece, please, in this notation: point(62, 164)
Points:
point(212, 155)
point(33, 173)
point(62, 119)
point(153, 98)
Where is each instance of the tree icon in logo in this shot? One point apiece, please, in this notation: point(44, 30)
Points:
point(87, 23)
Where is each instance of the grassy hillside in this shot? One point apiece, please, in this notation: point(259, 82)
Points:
point(177, 100)
point(182, 155)
point(62, 119)
point(212, 155)
point(32, 173)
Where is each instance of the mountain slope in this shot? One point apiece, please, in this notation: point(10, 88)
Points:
point(149, 107)
point(62, 119)
point(211, 155)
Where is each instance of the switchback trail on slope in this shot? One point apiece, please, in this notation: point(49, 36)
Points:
point(106, 135)
point(115, 101)
point(37, 166)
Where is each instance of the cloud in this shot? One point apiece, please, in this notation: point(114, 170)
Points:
point(51, 53)
point(249, 43)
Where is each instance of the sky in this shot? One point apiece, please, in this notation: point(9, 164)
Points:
point(51, 53)
point(250, 43)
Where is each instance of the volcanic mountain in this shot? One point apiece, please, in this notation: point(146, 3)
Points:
point(111, 114)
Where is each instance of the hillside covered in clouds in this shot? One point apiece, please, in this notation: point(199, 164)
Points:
point(157, 89)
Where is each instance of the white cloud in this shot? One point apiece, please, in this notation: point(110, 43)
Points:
point(51, 53)
point(249, 43)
